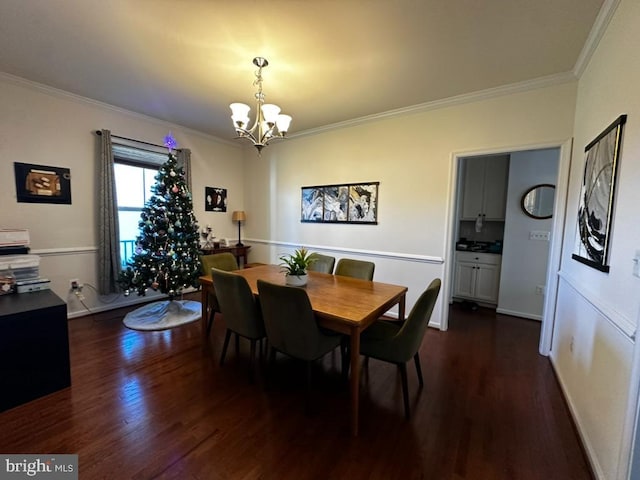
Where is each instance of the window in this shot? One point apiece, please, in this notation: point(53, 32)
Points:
point(133, 189)
point(134, 171)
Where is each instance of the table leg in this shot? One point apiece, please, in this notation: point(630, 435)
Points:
point(355, 379)
point(401, 307)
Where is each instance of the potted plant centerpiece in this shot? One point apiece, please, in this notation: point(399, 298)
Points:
point(295, 265)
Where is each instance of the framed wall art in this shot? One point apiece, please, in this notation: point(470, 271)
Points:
point(597, 196)
point(215, 199)
point(341, 203)
point(42, 183)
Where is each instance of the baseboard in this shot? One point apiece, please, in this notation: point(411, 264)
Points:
point(124, 302)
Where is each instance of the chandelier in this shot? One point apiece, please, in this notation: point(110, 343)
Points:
point(269, 123)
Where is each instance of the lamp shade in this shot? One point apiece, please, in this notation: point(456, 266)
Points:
point(270, 112)
point(282, 122)
point(240, 115)
point(238, 216)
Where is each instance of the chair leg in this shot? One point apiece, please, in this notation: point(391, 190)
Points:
point(272, 357)
point(227, 337)
point(252, 359)
point(405, 389)
point(270, 364)
point(416, 359)
point(212, 316)
point(308, 392)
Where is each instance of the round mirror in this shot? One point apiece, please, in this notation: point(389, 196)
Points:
point(537, 202)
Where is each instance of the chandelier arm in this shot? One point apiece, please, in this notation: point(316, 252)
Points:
point(258, 120)
point(274, 137)
point(242, 133)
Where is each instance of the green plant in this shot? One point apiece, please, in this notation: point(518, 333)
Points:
point(296, 263)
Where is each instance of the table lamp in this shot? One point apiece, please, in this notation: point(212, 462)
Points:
point(239, 216)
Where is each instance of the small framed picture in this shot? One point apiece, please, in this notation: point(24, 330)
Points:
point(224, 242)
point(215, 199)
point(42, 183)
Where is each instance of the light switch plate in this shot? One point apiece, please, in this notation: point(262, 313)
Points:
point(539, 235)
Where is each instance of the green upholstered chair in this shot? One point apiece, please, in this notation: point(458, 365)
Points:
point(322, 263)
point(222, 261)
point(240, 310)
point(396, 342)
point(292, 328)
point(348, 267)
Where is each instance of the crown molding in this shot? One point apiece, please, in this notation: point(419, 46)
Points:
point(595, 35)
point(520, 87)
point(56, 92)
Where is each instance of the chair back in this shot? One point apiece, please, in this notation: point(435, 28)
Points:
point(348, 267)
point(222, 261)
point(322, 263)
point(239, 307)
point(407, 342)
point(289, 320)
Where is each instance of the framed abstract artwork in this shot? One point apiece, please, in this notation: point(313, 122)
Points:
point(341, 203)
point(42, 183)
point(215, 199)
point(312, 204)
point(597, 195)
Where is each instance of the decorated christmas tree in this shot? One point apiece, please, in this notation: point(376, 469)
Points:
point(166, 255)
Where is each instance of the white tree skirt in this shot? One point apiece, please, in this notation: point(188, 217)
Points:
point(163, 315)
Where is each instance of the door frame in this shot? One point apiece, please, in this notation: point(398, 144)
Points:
point(557, 233)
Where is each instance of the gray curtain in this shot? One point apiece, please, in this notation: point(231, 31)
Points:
point(108, 237)
point(184, 160)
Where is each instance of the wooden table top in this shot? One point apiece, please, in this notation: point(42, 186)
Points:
point(349, 301)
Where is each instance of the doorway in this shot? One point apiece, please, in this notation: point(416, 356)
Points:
point(556, 230)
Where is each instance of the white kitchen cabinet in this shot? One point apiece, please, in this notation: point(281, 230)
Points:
point(484, 189)
point(477, 276)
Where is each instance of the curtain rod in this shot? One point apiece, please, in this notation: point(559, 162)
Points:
point(99, 132)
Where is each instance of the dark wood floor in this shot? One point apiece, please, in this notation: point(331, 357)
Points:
point(157, 405)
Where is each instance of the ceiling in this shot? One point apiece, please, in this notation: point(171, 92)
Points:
point(330, 60)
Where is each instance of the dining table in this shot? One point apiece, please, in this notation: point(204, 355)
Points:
point(343, 304)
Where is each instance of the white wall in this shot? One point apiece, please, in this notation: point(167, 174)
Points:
point(47, 127)
point(412, 157)
point(592, 348)
point(524, 261)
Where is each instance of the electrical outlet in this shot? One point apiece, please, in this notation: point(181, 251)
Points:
point(74, 284)
point(539, 289)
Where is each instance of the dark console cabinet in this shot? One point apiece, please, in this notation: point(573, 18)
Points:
point(34, 347)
